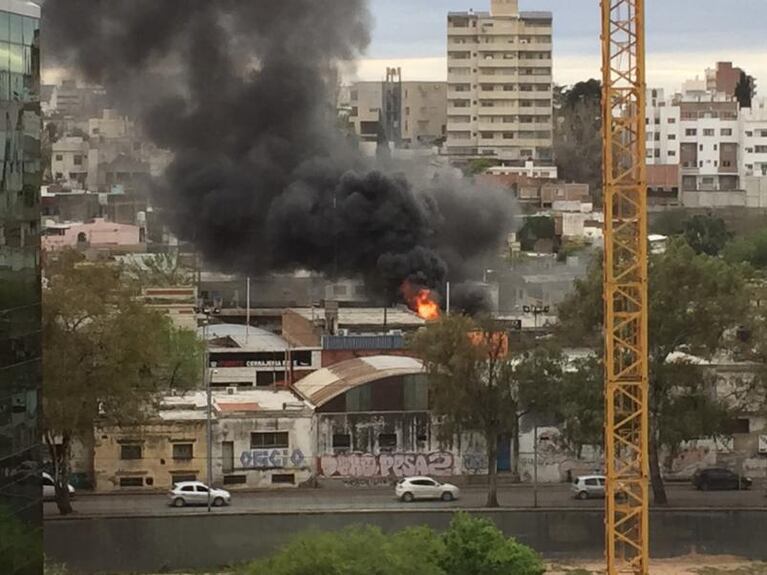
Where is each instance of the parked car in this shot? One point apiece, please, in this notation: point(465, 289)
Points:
point(49, 488)
point(719, 478)
point(411, 488)
point(588, 486)
point(196, 493)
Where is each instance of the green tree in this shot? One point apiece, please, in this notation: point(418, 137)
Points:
point(474, 546)
point(750, 249)
point(478, 387)
point(578, 133)
point(694, 300)
point(470, 546)
point(706, 234)
point(107, 357)
point(745, 90)
point(360, 550)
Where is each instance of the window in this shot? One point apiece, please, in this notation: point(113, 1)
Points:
point(183, 451)
point(726, 132)
point(700, 147)
point(289, 478)
point(672, 136)
point(592, 482)
point(235, 479)
point(760, 149)
point(424, 482)
point(672, 120)
point(269, 439)
point(508, 135)
point(77, 160)
point(708, 132)
point(201, 489)
point(131, 482)
point(387, 441)
point(342, 441)
point(716, 147)
point(130, 451)
point(671, 153)
point(691, 132)
point(181, 477)
point(188, 489)
point(59, 157)
point(749, 134)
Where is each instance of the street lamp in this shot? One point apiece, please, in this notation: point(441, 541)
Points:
point(536, 310)
point(206, 312)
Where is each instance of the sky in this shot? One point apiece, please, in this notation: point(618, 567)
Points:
point(684, 37)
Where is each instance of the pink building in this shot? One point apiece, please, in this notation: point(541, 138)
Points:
point(98, 233)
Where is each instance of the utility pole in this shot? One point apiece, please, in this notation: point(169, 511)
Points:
point(535, 465)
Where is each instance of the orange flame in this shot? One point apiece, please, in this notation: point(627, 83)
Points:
point(421, 301)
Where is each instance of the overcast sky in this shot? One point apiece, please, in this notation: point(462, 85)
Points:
point(683, 37)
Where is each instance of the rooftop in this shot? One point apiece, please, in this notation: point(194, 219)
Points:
point(365, 316)
point(192, 405)
point(325, 384)
point(252, 338)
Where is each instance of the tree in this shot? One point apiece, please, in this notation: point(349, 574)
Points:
point(474, 546)
point(694, 300)
point(706, 234)
point(745, 90)
point(578, 133)
point(470, 546)
point(479, 166)
point(751, 249)
point(536, 228)
point(476, 386)
point(107, 357)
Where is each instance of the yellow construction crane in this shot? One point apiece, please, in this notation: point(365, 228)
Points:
point(625, 287)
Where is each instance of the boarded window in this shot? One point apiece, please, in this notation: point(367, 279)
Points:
point(342, 441)
point(181, 477)
point(130, 451)
point(131, 482)
point(288, 478)
point(235, 479)
point(269, 439)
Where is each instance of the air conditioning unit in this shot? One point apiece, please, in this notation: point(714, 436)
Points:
point(395, 332)
point(343, 331)
point(231, 389)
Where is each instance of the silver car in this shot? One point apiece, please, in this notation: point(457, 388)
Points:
point(589, 486)
point(411, 488)
point(49, 488)
point(196, 493)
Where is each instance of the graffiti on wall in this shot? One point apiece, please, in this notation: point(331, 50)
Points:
point(271, 458)
point(386, 464)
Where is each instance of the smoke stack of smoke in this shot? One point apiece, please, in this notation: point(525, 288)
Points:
point(261, 181)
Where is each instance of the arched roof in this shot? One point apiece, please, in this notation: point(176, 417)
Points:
point(323, 385)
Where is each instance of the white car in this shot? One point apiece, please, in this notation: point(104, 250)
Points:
point(196, 493)
point(412, 488)
point(49, 488)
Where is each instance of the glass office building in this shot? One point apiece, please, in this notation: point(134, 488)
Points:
point(20, 337)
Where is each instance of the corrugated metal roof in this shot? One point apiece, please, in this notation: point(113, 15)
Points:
point(325, 384)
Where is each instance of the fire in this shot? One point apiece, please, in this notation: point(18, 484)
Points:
point(421, 300)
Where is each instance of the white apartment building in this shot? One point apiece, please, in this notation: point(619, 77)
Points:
point(753, 139)
point(499, 84)
point(710, 153)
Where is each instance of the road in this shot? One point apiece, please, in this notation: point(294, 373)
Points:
point(345, 499)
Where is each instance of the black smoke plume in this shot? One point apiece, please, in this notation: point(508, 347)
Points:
point(243, 93)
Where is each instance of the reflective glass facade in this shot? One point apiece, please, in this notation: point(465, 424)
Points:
point(20, 338)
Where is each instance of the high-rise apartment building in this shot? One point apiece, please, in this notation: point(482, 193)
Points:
point(20, 341)
point(499, 84)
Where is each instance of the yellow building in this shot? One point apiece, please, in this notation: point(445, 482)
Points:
point(153, 456)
